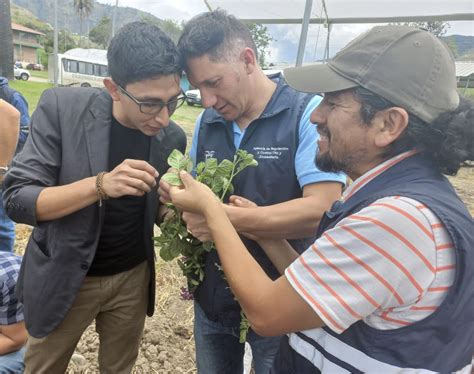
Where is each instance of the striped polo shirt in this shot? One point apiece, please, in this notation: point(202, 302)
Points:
point(390, 264)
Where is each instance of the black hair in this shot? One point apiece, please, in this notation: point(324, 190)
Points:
point(216, 34)
point(448, 140)
point(141, 51)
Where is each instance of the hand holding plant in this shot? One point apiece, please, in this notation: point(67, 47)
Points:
point(193, 196)
point(216, 182)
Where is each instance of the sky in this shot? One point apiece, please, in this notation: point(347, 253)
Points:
point(283, 48)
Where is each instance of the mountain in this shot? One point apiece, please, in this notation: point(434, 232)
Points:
point(462, 46)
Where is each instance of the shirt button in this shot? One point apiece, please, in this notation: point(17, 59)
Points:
point(84, 266)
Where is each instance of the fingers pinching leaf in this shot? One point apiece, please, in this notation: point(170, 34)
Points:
point(172, 178)
point(175, 158)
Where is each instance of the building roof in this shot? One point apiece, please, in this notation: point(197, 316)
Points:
point(22, 28)
point(464, 68)
point(88, 54)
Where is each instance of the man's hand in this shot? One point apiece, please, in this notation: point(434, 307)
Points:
point(240, 202)
point(193, 196)
point(131, 177)
point(197, 226)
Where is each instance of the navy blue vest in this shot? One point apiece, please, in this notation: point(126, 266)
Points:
point(442, 342)
point(273, 140)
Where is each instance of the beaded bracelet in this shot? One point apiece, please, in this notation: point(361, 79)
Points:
point(99, 188)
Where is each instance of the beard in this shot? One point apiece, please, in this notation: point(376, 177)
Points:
point(325, 163)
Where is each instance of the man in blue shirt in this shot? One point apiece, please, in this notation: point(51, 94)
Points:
point(16, 99)
point(247, 110)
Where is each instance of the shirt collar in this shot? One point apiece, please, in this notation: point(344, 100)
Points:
point(374, 172)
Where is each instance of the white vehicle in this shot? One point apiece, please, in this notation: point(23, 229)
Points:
point(193, 97)
point(22, 74)
point(80, 67)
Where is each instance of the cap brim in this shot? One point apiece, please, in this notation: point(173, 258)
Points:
point(317, 78)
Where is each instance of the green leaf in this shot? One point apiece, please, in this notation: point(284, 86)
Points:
point(218, 185)
point(172, 178)
point(244, 327)
point(224, 169)
point(174, 158)
point(211, 166)
point(189, 165)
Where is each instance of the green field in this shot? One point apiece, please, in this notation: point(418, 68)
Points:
point(39, 74)
point(467, 92)
point(31, 90)
point(186, 118)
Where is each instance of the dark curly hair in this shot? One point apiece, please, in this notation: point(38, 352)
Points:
point(448, 140)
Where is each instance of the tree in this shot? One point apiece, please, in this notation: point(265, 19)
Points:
point(169, 27)
point(438, 28)
point(6, 40)
point(83, 9)
point(102, 32)
point(65, 42)
point(262, 40)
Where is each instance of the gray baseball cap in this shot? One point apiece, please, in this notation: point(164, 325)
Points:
point(407, 66)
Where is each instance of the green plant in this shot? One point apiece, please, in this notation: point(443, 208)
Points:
point(175, 240)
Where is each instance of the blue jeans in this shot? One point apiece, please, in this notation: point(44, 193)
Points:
point(7, 230)
point(218, 349)
point(12, 363)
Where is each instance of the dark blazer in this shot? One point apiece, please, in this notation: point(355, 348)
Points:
point(69, 141)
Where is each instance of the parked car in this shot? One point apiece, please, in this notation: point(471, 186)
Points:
point(32, 66)
point(22, 74)
point(193, 97)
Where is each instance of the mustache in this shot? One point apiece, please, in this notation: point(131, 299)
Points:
point(324, 132)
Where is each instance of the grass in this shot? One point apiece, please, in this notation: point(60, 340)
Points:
point(39, 74)
point(468, 92)
point(186, 116)
point(31, 90)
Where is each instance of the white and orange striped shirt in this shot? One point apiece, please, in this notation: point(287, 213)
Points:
point(390, 264)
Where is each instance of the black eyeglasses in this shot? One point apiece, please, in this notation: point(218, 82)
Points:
point(155, 107)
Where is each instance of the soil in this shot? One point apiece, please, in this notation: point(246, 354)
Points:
point(167, 345)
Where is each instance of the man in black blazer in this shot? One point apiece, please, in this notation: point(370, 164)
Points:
point(86, 180)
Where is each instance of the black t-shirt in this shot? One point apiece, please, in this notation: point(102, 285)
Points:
point(121, 245)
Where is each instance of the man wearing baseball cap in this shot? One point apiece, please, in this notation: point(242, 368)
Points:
point(388, 286)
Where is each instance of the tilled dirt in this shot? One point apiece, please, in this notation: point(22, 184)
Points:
point(167, 345)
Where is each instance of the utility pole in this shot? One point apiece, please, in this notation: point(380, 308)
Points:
point(113, 17)
point(304, 32)
point(55, 43)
